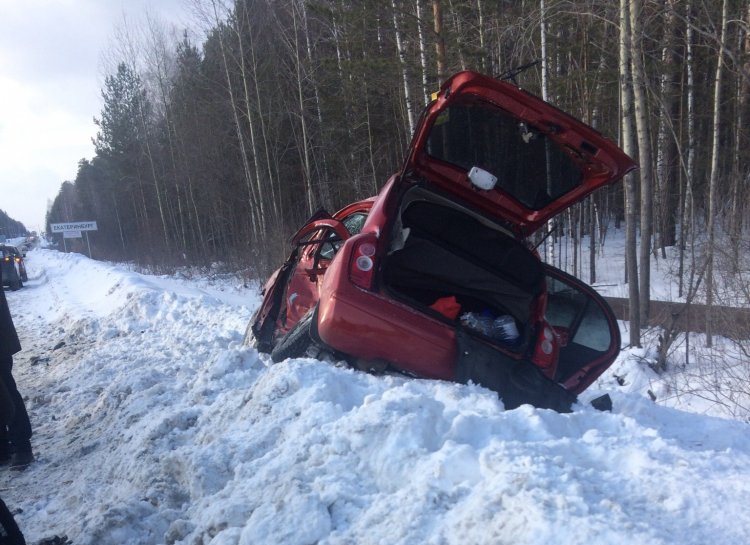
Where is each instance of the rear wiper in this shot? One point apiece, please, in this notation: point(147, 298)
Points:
point(513, 72)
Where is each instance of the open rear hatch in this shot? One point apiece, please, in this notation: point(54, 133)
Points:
point(509, 153)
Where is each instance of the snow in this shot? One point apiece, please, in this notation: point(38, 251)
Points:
point(153, 424)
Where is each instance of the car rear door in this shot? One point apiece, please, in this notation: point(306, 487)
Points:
point(586, 326)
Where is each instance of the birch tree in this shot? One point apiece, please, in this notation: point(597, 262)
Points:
point(437, 17)
point(422, 51)
point(687, 225)
point(252, 199)
point(714, 177)
point(401, 48)
point(626, 142)
point(644, 155)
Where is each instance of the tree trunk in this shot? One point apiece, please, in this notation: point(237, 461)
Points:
point(260, 189)
point(482, 39)
point(459, 33)
point(666, 155)
point(272, 177)
point(238, 131)
point(325, 193)
point(437, 15)
point(403, 64)
point(644, 155)
point(422, 52)
point(631, 217)
point(714, 177)
point(740, 174)
point(550, 244)
point(687, 224)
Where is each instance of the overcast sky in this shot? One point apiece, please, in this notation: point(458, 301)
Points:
point(51, 74)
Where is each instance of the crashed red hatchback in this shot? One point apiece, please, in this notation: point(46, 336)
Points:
point(434, 277)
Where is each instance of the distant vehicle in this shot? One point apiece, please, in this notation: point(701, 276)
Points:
point(14, 272)
point(19, 257)
point(436, 277)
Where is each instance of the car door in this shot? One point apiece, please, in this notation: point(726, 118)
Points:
point(292, 289)
point(322, 240)
point(302, 291)
point(586, 326)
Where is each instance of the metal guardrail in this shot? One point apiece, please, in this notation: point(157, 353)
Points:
point(730, 322)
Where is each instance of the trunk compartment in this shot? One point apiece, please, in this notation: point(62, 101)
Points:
point(440, 249)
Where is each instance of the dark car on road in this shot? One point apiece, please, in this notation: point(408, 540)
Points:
point(19, 256)
point(436, 277)
point(13, 269)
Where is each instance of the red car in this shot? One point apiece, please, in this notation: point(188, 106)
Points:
point(435, 276)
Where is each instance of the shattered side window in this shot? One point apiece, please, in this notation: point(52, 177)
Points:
point(528, 165)
point(353, 224)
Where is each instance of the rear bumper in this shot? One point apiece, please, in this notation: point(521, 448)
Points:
point(10, 275)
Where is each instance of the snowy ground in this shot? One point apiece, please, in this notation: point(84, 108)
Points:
point(153, 425)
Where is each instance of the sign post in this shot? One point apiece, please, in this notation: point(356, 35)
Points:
point(73, 230)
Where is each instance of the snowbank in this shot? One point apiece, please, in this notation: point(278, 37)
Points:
point(154, 425)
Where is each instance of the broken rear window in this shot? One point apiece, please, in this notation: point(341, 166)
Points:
point(528, 165)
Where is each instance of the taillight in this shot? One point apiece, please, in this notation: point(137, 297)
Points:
point(362, 264)
point(547, 348)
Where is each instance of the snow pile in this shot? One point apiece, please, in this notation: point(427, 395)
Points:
point(154, 425)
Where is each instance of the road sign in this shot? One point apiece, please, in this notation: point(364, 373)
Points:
point(74, 226)
point(72, 234)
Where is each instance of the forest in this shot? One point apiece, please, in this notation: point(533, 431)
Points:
point(216, 142)
point(10, 227)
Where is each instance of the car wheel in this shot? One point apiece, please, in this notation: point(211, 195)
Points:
point(17, 285)
point(296, 342)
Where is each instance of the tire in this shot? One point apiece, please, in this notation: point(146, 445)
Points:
point(249, 338)
point(17, 285)
point(296, 342)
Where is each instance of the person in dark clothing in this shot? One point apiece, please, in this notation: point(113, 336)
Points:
point(10, 534)
point(15, 433)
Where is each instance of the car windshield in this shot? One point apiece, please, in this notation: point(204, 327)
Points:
point(528, 165)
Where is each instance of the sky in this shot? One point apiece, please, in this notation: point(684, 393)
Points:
point(52, 67)
point(154, 424)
